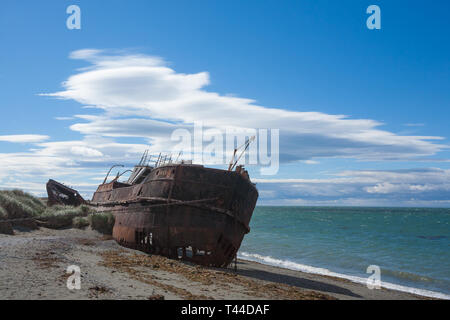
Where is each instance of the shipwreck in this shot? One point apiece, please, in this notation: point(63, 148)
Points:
point(175, 209)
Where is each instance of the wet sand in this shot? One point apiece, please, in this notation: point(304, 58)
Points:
point(33, 266)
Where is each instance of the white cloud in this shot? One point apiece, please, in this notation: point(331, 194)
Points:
point(24, 138)
point(128, 86)
point(311, 162)
point(383, 188)
point(95, 148)
point(142, 101)
point(85, 152)
point(396, 187)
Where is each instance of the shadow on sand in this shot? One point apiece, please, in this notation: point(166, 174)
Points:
point(246, 270)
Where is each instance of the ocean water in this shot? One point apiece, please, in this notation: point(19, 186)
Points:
point(410, 245)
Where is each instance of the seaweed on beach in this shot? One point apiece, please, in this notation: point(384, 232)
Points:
point(132, 264)
point(46, 259)
point(128, 264)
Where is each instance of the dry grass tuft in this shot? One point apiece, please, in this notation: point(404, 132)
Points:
point(16, 204)
point(58, 217)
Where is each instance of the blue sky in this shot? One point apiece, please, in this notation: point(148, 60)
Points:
point(312, 60)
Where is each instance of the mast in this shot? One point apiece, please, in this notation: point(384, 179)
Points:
point(234, 161)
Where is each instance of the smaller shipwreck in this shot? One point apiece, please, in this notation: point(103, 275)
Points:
point(176, 209)
point(61, 194)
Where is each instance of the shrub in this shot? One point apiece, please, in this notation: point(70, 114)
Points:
point(102, 222)
point(62, 216)
point(85, 210)
point(6, 228)
point(3, 214)
point(80, 222)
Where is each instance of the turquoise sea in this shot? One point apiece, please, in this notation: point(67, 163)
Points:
point(410, 245)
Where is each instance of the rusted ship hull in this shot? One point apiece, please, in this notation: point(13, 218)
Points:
point(182, 211)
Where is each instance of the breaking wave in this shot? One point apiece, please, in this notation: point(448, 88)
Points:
point(286, 264)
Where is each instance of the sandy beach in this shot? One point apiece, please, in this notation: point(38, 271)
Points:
point(33, 265)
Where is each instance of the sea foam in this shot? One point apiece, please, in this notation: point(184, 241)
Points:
point(286, 264)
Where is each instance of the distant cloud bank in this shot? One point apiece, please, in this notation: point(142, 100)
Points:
point(412, 187)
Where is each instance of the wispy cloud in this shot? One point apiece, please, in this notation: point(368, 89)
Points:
point(311, 162)
point(414, 124)
point(142, 101)
point(127, 86)
point(24, 138)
